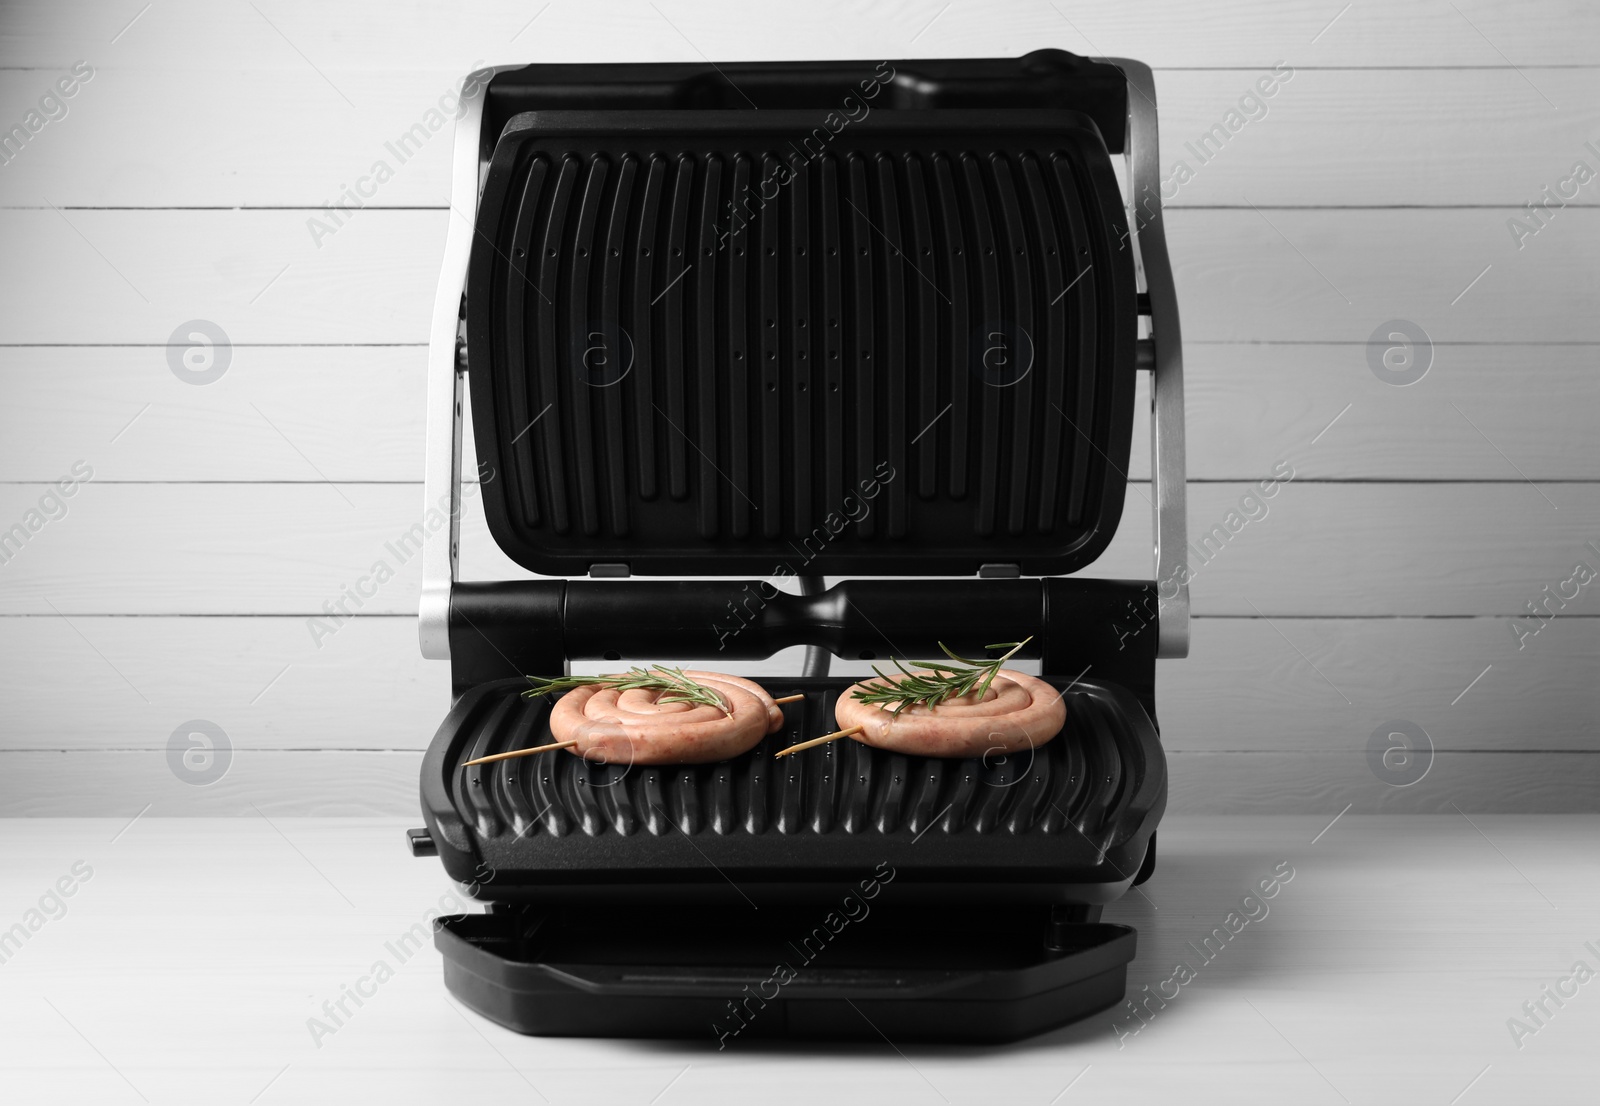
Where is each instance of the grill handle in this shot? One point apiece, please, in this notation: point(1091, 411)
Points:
point(508, 629)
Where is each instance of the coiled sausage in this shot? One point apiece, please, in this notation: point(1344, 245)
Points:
point(1017, 712)
point(635, 727)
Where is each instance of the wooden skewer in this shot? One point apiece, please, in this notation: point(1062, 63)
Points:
point(790, 698)
point(815, 741)
point(520, 753)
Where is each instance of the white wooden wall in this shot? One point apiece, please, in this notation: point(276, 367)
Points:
point(1379, 184)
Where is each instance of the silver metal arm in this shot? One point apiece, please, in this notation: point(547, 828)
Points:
point(441, 471)
point(1167, 465)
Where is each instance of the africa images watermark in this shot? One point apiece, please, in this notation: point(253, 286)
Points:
point(854, 508)
point(52, 906)
point(1252, 508)
point(52, 108)
point(1399, 753)
point(1541, 612)
point(337, 1012)
point(199, 752)
point(352, 198)
point(336, 612)
point(52, 505)
point(1252, 107)
point(853, 908)
point(810, 148)
point(1537, 1011)
point(1537, 213)
point(1136, 1016)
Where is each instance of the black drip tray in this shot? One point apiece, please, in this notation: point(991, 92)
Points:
point(860, 969)
point(1077, 811)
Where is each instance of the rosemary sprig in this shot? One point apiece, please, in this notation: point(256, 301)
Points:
point(677, 687)
point(947, 681)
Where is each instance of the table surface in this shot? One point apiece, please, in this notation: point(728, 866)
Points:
point(191, 954)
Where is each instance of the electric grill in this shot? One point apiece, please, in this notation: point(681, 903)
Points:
point(882, 330)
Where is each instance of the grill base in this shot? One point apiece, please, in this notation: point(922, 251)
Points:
point(980, 975)
point(1069, 822)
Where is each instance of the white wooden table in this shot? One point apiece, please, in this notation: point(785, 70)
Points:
point(188, 962)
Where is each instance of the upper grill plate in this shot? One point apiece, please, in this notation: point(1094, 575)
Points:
point(716, 342)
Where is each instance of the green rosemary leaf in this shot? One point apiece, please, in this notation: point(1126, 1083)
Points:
point(939, 681)
point(675, 686)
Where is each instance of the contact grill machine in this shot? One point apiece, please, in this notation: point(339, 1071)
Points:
point(885, 326)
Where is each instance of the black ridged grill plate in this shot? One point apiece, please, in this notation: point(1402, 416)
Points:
point(838, 807)
point(708, 342)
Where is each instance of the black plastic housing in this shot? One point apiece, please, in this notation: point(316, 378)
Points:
point(508, 629)
point(865, 968)
point(1041, 79)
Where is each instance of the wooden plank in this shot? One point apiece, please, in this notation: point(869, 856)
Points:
point(277, 413)
point(1356, 137)
point(1281, 686)
point(1324, 408)
point(290, 783)
point(357, 414)
point(305, 782)
point(412, 34)
point(128, 683)
point(1335, 276)
point(1243, 275)
point(259, 275)
point(270, 686)
point(1373, 549)
point(217, 548)
point(1284, 782)
point(121, 120)
point(1314, 549)
point(1469, 136)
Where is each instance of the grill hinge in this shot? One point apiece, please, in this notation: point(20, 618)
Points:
point(999, 572)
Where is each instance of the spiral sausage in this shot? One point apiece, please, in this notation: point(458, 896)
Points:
point(635, 727)
point(1018, 712)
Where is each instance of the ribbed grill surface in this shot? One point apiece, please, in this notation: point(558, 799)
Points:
point(1081, 779)
point(719, 344)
